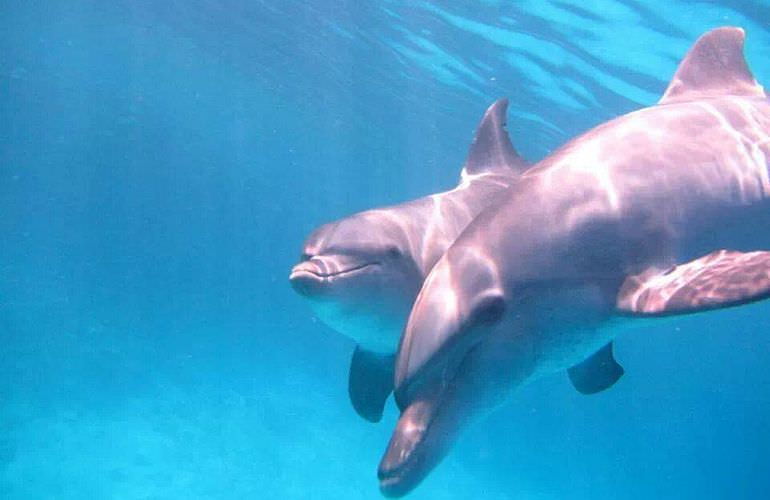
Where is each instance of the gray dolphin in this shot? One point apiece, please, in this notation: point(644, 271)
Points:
point(361, 274)
point(663, 211)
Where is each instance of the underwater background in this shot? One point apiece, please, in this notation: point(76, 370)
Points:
point(160, 165)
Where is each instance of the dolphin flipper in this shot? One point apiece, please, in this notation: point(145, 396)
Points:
point(370, 382)
point(720, 279)
point(598, 372)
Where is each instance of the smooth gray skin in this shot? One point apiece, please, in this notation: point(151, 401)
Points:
point(361, 274)
point(534, 284)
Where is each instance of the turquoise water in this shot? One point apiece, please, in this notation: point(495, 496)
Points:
point(160, 165)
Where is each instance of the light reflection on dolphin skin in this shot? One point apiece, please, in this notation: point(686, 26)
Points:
point(362, 273)
point(663, 211)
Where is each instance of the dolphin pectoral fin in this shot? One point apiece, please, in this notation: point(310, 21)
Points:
point(370, 382)
point(598, 372)
point(720, 279)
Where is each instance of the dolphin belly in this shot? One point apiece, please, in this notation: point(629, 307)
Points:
point(568, 324)
point(377, 333)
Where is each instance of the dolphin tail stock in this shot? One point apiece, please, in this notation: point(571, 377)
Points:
point(370, 382)
point(597, 373)
point(721, 279)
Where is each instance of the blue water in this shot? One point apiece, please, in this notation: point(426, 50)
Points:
point(160, 164)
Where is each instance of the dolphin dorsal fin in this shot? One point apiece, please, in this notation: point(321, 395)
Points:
point(491, 148)
point(714, 66)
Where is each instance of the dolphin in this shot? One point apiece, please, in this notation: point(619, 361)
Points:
point(362, 273)
point(660, 212)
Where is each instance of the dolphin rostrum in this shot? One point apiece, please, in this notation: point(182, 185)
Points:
point(362, 273)
point(663, 211)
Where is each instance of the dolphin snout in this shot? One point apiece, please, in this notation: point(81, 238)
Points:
point(307, 277)
point(320, 272)
point(401, 468)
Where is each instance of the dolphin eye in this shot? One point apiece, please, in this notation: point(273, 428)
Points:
point(490, 310)
point(305, 256)
point(393, 252)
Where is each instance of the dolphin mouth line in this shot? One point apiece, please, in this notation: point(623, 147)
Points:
point(394, 482)
point(327, 276)
point(389, 485)
point(397, 480)
point(392, 478)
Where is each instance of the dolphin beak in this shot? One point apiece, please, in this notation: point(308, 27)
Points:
point(306, 278)
point(404, 464)
point(317, 275)
point(424, 434)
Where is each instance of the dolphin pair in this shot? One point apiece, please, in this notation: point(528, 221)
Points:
point(361, 274)
point(663, 211)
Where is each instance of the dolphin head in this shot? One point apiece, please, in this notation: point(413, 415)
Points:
point(360, 277)
point(455, 359)
point(461, 300)
point(360, 273)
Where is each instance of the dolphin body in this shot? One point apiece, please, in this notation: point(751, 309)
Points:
point(663, 211)
point(361, 274)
